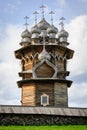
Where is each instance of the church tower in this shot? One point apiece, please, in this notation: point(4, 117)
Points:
point(44, 55)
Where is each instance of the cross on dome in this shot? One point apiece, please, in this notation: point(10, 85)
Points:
point(62, 23)
point(26, 24)
point(42, 7)
point(35, 16)
point(51, 13)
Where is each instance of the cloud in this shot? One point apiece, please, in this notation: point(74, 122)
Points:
point(78, 65)
point(9, 66)
point(78, 42)
point(78, 95)
point(12, 7)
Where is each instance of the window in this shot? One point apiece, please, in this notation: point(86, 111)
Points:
point(44, 100)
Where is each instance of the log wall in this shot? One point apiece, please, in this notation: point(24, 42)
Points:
point(28, 94)
point(45, 88)
point(60, 95)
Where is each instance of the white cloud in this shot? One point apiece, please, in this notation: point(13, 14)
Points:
point(78, 95)
point(9, 66)
point(12, 7)
point(78, 65)
point(78, 42)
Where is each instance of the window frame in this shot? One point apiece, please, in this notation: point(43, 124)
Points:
point(47, 100)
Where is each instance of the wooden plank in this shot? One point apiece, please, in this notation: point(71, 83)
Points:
point(28, 94)
point(81, 112)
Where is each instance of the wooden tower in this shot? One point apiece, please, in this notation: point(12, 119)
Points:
point(44, 54)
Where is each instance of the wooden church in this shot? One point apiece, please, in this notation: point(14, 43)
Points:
point(44, 55)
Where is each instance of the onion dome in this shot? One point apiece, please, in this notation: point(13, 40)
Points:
point(43, 24)
point(63, 33)
point(25, 36)
point(35, 32)
point(35, 29)
point(62, 36)
point(44, 55)
point(52, 29)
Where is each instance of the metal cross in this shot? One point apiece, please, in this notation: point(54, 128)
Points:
point(35, 16)
point(62, 22)
point(26, 24)
point(51, 13)
point(42, 10)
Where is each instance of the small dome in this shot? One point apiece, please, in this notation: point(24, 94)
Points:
point(35, 29)
point(63, 33)
point(44, 55)
point(25, 34)
point(43, 24)
point(52, 29)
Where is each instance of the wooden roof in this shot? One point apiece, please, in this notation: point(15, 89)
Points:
point(19, 52)
point(7, 109)
point(68, 82)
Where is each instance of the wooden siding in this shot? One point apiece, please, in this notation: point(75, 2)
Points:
point(80, 112)
point(28, 66)
point(60, 94)
point(28, 94)
point(44, 71)
point(44, 88)
point(26, 76)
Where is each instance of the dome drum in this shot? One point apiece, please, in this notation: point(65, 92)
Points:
point(35, 36)
point(26, 40)
point(52, 35)
point(63, 39)
point(24, 44)
point(43, 33)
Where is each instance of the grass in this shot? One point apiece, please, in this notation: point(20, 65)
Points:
point(69, 127)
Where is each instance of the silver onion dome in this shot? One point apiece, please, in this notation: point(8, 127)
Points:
point(35, 32)
point(63, 33)
point(62, 36)
point(52, 29)
point(35, 29)
point(44, 55)
point(26, 33)
point(26, 36)
point(43, 24)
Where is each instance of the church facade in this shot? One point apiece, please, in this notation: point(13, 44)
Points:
point(44, 54)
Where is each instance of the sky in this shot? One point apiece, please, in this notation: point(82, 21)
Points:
point(12, 21)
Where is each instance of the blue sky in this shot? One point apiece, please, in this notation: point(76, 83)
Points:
point(11, 25)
